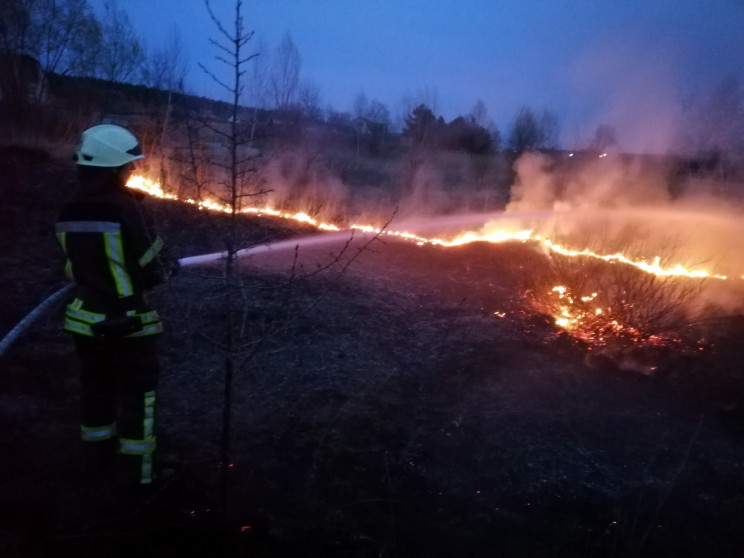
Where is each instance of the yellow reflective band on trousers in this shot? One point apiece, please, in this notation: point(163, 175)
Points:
point(97, 433)
point(117, 264)
point(146, 446)
point(78, 320)
point(128, 446)
point(78, 327)
point(76, 312)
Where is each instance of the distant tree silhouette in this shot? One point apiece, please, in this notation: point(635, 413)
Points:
point(63, 35)
point(308, 101)
point(525, 134)
point(120, 55)
point(284, 77)
point(371, 123)
point(463, 134)
point(421, 127)
point(529, 132)
point(550, 130)
point(165, 68)
point(479, 116)
point(604, 137)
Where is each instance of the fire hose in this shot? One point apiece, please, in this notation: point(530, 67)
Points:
point(32, 316)
point(47, 303)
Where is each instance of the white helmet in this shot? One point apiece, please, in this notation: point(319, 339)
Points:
point(107, 146)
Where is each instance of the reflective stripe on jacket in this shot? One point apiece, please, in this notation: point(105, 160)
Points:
point(113, 255)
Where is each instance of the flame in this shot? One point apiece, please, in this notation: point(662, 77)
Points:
point(593, 325)
point(137, 182)
point(654, 266)
point(576, 315)
point(154, 189)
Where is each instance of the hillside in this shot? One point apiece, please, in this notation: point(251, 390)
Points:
point(391, 400)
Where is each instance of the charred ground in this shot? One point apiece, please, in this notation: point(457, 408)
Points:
point(382, 408)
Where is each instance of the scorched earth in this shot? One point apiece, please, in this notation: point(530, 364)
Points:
point(400, 400)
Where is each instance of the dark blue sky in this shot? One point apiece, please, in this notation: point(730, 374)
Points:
point(627, 63)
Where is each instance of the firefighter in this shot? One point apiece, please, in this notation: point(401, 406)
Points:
point(114, 257)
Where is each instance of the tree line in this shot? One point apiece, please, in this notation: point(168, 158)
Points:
point(67, 38)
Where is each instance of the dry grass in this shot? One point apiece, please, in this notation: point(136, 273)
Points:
point(618, 311)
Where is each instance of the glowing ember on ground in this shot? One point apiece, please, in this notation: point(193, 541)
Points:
point(587, 322)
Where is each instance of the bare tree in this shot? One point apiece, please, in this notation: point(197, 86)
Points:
point(604, 137)
point(479, 117)
point(239, 168)
point(529, 132)
point(62, 35)
point(285, 73)
point(550, 130)
point(359, 106)
point(165, 68)
point(70, 36)
point(19, 32)
point(257, 86)
point(427, 96)
point(525, 134)
point(308, 99)
point(371, 121)
point(370, 110)
point(121, 53)
point(479, 114)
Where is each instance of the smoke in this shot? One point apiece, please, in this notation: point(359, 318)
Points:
point(634, 86)
point(587, 182)
point(299, 181)
point(623, 204)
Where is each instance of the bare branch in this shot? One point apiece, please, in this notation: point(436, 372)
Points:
point(215, 78)
point(222, 47)
point(217, 22)
point(251, 57)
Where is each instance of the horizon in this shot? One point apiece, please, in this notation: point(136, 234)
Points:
point(631, 66)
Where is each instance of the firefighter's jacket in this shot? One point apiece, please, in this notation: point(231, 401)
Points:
point(113, 256)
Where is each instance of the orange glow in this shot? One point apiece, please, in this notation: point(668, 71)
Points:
point(494, 236)
point(576, 314)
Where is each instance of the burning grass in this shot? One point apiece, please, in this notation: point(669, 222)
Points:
point(617, 311)
point(597, 281)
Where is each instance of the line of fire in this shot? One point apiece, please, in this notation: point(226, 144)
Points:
point(626, 281)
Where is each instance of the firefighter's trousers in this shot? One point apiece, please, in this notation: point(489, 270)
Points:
point(119, 379)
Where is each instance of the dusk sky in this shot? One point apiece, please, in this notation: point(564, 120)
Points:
point(628, 63)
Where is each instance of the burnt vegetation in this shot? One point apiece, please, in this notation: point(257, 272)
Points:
point(412, 404)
